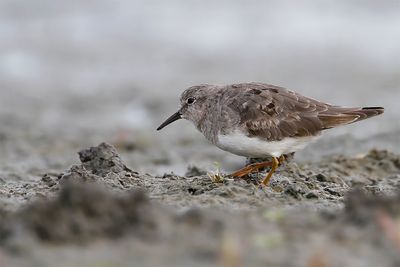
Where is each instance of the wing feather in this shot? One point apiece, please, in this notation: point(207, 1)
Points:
point(274, 113)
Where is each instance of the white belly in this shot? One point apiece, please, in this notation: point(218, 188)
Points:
point(242, 145)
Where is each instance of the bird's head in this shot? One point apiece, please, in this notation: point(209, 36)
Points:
point(192, 107)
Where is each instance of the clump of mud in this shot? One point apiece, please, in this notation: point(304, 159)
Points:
point(102, 160)
point(76, 206)
point(102, 164)
point(82, 212)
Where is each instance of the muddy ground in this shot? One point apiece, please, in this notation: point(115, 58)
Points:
point(339, 211)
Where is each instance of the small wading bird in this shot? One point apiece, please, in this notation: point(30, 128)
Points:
point(257, 120)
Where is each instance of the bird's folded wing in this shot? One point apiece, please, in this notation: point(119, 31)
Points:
point(274, 113)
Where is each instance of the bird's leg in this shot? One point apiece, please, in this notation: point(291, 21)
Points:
point(251, 168)
point(275, 164)
point(281, 159)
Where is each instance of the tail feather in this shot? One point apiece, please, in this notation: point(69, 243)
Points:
point(340, 116)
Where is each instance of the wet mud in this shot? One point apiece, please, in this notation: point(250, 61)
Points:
point(335, 212)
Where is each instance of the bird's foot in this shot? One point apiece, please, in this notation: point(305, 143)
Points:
point(251, 168)
point(276, 162)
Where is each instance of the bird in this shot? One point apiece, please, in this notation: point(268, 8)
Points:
point(259, 120)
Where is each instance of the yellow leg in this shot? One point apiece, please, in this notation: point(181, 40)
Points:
point(251, 168)
point(275, 164)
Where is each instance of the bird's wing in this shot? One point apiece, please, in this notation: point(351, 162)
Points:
point(273, 113)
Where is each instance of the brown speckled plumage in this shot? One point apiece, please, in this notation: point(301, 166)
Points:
point(265, 111)
point(274, 113)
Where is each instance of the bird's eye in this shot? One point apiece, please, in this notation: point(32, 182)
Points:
point(190, 100)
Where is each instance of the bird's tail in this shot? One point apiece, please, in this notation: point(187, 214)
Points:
point(340, 116)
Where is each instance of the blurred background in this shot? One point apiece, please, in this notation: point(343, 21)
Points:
point(75, 73)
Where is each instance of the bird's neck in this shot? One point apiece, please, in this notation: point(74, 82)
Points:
point(209, 123)
point(206, 127)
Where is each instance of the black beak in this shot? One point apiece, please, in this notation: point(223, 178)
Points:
point(171, 119)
